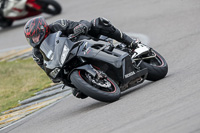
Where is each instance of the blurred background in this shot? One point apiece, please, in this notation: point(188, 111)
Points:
point(156, 19)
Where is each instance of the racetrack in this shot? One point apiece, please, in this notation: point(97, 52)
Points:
point(171, 105)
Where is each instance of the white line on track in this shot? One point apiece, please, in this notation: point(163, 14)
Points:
point(17, 123)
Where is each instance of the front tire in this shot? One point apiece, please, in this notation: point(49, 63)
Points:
point(81, 82)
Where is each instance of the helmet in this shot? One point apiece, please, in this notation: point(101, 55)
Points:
point(36, 30)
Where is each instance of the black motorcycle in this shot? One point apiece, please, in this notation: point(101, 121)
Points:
point(97, 68)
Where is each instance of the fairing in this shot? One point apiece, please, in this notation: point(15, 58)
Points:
point(116, 64)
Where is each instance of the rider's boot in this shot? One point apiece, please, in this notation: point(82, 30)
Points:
point(125, 39)
point(1, 14)
point(4, 22)
point(2, 19)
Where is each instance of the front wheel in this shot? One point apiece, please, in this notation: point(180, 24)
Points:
point(157, 66)
point(50, 7)
point(105, 89)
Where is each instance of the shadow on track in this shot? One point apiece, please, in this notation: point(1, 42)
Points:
point(133, 89)
point(95, 105)
point(142, 86)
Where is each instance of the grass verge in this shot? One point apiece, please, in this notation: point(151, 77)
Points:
point(19, 80)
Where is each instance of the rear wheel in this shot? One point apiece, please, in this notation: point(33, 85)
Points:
point(157, 66)
point(50, 7)
point(103, 89)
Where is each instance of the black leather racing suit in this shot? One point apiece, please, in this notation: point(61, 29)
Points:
point(98, 26)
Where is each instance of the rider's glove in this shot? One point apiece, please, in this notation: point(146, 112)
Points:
point(80, 29)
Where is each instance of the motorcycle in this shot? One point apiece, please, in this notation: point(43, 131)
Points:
point(12, 10)
point(97, 68)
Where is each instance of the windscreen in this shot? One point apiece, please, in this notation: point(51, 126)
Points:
point(47, 47)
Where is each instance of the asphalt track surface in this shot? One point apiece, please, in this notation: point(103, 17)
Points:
point(171, 105)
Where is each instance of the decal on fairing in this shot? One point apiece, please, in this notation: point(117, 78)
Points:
point(129, 74)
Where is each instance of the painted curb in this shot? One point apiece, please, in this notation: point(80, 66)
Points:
point(43, 95)
point(14, 116)
point(14, 54)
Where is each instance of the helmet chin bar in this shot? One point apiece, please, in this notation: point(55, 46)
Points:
point(39, 42)
point(36, 39)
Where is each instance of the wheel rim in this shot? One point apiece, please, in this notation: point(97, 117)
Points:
point(105, 84)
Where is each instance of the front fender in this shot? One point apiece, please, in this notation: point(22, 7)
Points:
point(88, 68)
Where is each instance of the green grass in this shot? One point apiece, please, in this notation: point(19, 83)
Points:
point(19, 80)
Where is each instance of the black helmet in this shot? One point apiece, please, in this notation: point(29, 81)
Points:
point(36, 30)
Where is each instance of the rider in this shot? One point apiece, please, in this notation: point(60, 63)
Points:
point(37, 29)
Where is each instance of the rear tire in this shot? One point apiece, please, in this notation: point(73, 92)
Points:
point(50, 7)
point(157, 67)
point(78, 80)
